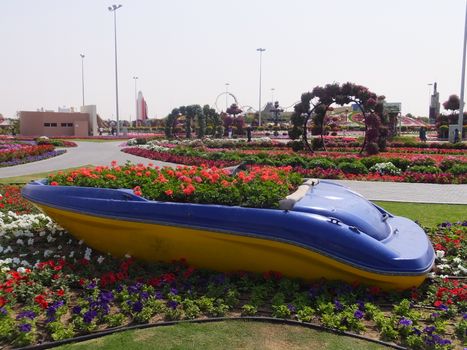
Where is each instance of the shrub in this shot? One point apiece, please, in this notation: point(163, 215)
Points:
point(458, 169)
point(353, 167)
point(322, 163)
point(297, 146)
point(424, 169)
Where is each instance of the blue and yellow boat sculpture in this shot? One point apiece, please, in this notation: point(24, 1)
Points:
point(321, 230)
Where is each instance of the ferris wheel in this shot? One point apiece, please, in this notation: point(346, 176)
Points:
point(226, 94)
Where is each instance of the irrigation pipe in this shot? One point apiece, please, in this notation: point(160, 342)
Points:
point(272, 320)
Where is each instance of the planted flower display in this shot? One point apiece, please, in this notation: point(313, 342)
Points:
point(12, 153)
point(256, 220)
point(410, 167)
point(55, 287)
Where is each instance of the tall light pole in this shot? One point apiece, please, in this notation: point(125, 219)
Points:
point(226, 96)
point(460, 121)
point(260, 50)
point(114, 9)
point(82, 74)
point(136, 103)
point(272, 95)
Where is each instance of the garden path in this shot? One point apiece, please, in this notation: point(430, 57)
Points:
point(102, 153)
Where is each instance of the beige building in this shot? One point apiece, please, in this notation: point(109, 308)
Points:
point(56, 124)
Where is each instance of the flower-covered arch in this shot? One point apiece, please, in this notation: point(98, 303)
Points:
point(314, 105)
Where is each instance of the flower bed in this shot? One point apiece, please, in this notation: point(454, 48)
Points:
point(56, 142)
point(54, 287)
point(405, 168)
point(259, 187)
point(17, 153)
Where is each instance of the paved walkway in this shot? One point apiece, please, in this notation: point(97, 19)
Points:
point(102, 153)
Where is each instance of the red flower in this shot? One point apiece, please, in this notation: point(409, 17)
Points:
point(169, 192)
point(2, 301)
point(54, 183)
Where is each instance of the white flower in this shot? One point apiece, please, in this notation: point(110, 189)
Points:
point(100, 259)
point(47, 253)
point(457, 260)
point(19, 241)
point(72, 254)
point(128, 256)
point(80, 242)
point(8, 250)
point(442, 266)
point(30, 241)
point(21, 270)
point(5, 269)
point(440, 254)
point(16, 261)
point(50, 238)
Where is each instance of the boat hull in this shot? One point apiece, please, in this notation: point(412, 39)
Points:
point(217, 250)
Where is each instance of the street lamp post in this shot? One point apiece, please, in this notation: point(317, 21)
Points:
point(136, 104)
point(82, 74)
point(260, 50)
point(114, 9)
point(460, 121)
point(226, 96)
point(272, 95)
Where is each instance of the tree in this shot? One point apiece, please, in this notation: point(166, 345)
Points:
point(452, 104)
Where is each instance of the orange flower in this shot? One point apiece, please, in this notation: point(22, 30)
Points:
point(169, 192)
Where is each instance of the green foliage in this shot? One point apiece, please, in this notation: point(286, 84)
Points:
point(355, 167)
point(306, 314)
point(281, 311)
point(426, 169)
point(249, 310)
point(458, 169)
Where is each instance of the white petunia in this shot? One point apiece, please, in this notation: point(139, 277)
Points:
point(440, 254)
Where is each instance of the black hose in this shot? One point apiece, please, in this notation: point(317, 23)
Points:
point(103, 333)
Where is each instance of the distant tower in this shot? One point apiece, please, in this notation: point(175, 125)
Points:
point(142, 110)
point(434, 105)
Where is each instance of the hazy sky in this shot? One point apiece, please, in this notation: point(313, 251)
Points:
point(184, 51)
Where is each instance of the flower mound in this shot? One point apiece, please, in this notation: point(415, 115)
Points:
point(258, 187)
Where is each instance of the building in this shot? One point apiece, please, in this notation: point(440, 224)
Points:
point(56, 124)
point(142, 109)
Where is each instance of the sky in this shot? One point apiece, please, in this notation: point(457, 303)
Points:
point(185, 51)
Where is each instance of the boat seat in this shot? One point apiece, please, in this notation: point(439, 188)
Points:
point(289, 202)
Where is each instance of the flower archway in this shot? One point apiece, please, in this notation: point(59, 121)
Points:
point(314, 105)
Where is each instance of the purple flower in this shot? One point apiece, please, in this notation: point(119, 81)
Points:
point(464, 316)
point(291, 308)
point(51, 319)
point(89, 316)
point(429, 329)
point(338, 306)
point(405, 322)
point(158, 295)
point(76, 310)
point(144, 295)
point(416, 331)
point(119, 288)
point(91, 285)
point(133, 289)
point(26, 314)
point(172, 304)
point(358, 314)
point(106, 297)
point(3, 311)
point(25, 327)
point(137, 306)
point(443, 307)
point(434, 315)
point(174, 291)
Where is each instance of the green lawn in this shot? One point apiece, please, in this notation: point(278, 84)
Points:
point(426, 214)
point(27, 178)
point(225, 335)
